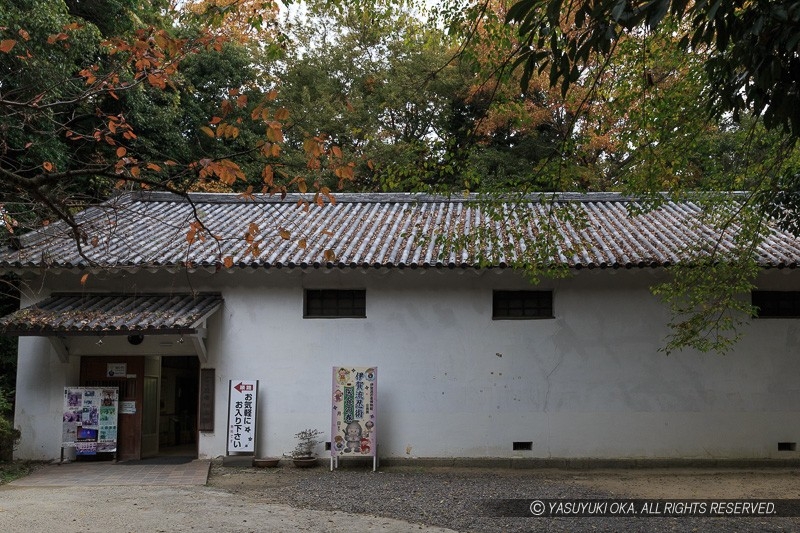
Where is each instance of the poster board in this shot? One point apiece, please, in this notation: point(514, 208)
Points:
point(354, 423)
point(242, 408)
point(89, 422)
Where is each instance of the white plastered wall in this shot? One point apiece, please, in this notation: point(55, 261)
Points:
point(590, 383)
point(39, 399)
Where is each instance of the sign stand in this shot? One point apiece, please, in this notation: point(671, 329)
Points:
point(89, 421)
point(242, 414)
point(354, 420)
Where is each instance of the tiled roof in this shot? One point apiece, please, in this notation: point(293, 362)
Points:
point(112, 314)
point(601, 230)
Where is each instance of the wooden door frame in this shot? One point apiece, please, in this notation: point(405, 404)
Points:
point(151, 439)
point(129, 426)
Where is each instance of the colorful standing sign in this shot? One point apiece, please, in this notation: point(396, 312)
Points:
point(89, 423)
point(354, 424)
point(242, 399)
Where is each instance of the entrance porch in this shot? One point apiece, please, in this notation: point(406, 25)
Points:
point(150, 347)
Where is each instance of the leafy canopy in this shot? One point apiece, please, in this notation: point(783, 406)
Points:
point(752, 63)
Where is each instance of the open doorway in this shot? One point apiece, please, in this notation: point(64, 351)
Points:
point(180, 377)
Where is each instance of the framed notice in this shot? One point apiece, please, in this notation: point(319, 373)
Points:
point(89, 422)
point(116, 370)
point(354, 423)
point(242, 403)
point(206, 408)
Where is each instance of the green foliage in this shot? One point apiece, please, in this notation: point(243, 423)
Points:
point(517, 231)
point(92, 95)
point(168, 122)
point(9, 302)
point(752, 65)
point(48, 67)
point(651, 99)
point(709, 291)
point(49, 114)
point(407, 102)
point(8, 434)
point(708, 302)
point(118, 17)
point(371, 96)
point(373, 80)
point(54, 41)
point(15, 470)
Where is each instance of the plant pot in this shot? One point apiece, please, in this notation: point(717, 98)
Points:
point(266, 462)
point(304, 462)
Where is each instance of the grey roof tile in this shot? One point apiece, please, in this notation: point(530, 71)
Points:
point(112, 314)
point(148, 230)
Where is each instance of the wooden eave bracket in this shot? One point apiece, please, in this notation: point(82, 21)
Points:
point(60, 347)
point(199, 342)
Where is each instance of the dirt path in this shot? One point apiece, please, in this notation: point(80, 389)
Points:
point(137, 509)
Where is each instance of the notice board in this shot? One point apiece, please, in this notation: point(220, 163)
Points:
point(90, 419)
point(354, 425)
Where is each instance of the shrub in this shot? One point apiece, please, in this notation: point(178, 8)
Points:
point(9, 435)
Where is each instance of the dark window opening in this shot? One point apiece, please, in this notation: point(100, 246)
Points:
point(334, 303)
point(522, 304)
point(787, 446)
point(776, 304)
point(522, 445)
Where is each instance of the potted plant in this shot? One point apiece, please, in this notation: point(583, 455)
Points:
point(303, 454)
point(266, 462)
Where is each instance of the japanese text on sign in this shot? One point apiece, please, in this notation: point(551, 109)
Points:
point(354, 428)
point(242, 416)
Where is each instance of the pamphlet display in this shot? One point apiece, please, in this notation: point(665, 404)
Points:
point(90, 419)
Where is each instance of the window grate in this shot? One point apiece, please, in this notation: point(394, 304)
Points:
point(776, 304)
point(522, 304)
point(335, 303)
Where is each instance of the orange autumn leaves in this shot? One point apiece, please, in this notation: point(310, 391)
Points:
point(151, 58)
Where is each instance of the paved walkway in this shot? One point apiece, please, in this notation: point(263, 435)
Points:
point(117, 474)
point(144, 498)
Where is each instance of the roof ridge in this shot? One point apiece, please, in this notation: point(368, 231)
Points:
point(129, 294)
point(383, 197)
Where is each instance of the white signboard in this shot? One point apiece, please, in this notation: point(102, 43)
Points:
point(242, 399)
point(116, 370)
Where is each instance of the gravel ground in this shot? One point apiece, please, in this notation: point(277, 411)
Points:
point(402, 499)
point(456, 498)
